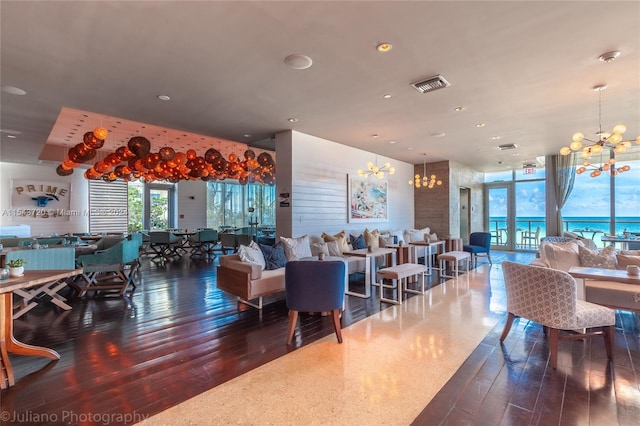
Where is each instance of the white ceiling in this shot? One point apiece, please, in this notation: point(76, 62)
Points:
point(523, 68)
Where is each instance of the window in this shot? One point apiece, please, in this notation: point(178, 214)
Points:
point(236, 206)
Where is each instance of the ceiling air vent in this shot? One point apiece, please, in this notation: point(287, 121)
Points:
point(431, 84)
point(507, 146)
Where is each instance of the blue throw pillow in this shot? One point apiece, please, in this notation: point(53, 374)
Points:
point(273, 256)
point(358, 242)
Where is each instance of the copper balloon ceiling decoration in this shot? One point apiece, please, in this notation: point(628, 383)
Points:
point(137, 161)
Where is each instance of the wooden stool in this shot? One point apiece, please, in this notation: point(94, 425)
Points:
point(400, 273)
point(456, 257)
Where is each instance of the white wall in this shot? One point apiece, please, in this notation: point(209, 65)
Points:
point(78, 198)
point(192, 204)
point(314, 171)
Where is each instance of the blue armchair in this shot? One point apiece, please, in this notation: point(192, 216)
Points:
point(315, 286)
point(112, 269)
point(479, 245)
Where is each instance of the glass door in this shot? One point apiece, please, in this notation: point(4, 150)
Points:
point(499, 206)
point(160, 202)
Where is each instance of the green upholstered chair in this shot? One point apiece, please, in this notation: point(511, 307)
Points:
point(164, 245)
point(204, 242)
point(113, 269)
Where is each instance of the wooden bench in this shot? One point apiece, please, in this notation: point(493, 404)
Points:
point(401, 273)
point(455, 257)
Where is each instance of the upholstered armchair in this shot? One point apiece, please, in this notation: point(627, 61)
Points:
point(549, 297)
point(112, 269)
point(164, 245)
point(479, 245)
point(203, 243)
point(315, 286)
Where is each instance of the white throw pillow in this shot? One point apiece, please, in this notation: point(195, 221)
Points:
point(560, 256)
point(334, 248)
point(398, 234)
point(431, 237)
point(317, 248)
point(296, 248)
point(252, 254)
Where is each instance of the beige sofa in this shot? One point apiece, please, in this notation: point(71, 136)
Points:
point(249, 282)
point(614, 294)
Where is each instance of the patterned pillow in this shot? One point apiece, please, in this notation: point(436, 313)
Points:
point(296, 248)
point(605, 259)
point(252, 254)
point(358, 242)
point(340, 237)
point(371, 238)
point(274, 256)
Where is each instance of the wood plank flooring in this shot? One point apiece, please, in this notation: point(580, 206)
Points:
point(178, 335)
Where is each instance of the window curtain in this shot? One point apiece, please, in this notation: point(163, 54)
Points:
point(563, 174)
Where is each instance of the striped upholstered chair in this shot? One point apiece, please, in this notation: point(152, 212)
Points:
point(549, 297)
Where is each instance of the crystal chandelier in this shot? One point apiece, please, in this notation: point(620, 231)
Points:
point(374, 169)
point(425, 181)
point(606, 141)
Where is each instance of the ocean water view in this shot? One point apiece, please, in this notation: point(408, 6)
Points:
point(589, 227)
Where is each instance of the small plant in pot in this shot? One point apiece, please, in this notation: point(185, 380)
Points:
point(16, 267)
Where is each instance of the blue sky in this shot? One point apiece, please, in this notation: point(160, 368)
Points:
point(590, 197)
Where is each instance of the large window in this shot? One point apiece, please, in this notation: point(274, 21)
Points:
point(237, 206)
point(151, 206)
point(604, 205)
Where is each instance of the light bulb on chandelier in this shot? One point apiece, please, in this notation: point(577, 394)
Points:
point(374, 169)
point(426, 181)
point(606, 141)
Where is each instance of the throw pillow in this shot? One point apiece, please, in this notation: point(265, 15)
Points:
point(386, 239)
point(431, 237)
point(334, 249)
point(625, 260)
point(358, 242)
point(273, 256)
point(560, 256)
point(605, 259)
point(340, 237)
point(296, 248)
point(317, 248)
point(252, 254)
point(371, 238)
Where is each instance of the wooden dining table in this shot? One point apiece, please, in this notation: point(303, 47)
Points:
point(8, 343)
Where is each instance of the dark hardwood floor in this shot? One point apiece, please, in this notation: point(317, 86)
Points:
point(178, 336)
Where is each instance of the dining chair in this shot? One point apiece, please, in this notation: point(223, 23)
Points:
point(164, 245)
point(479, 245)
point(549, 297)
point(204, 243)
point(315, 286)
point(531, 238)
point(229, 242)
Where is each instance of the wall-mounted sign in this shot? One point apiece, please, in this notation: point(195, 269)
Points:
point(39, 200)
point(284, 199)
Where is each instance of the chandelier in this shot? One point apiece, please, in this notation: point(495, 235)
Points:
point(606, 142)
point(425, 181)
point(135, 160)
point(374, 169)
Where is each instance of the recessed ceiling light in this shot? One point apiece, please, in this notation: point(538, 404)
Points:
point(480, 125)
point(293, 120)
point(298, 62)
point(247, 135)
point(13, 90)
point(609, 56)
point(410, 148)
point(386, 96)
point(438, 135)
point(458, 109)
point(11, 136)
point(164, 97)
point(392, 142)
point(495, 138)
point(374, 136)
point(384, 47)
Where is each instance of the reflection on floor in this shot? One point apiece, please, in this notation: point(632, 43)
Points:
point(389, 367)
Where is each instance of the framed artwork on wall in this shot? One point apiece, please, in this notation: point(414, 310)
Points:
point(368, 201)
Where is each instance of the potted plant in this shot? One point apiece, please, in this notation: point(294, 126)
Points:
point(16, 267)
